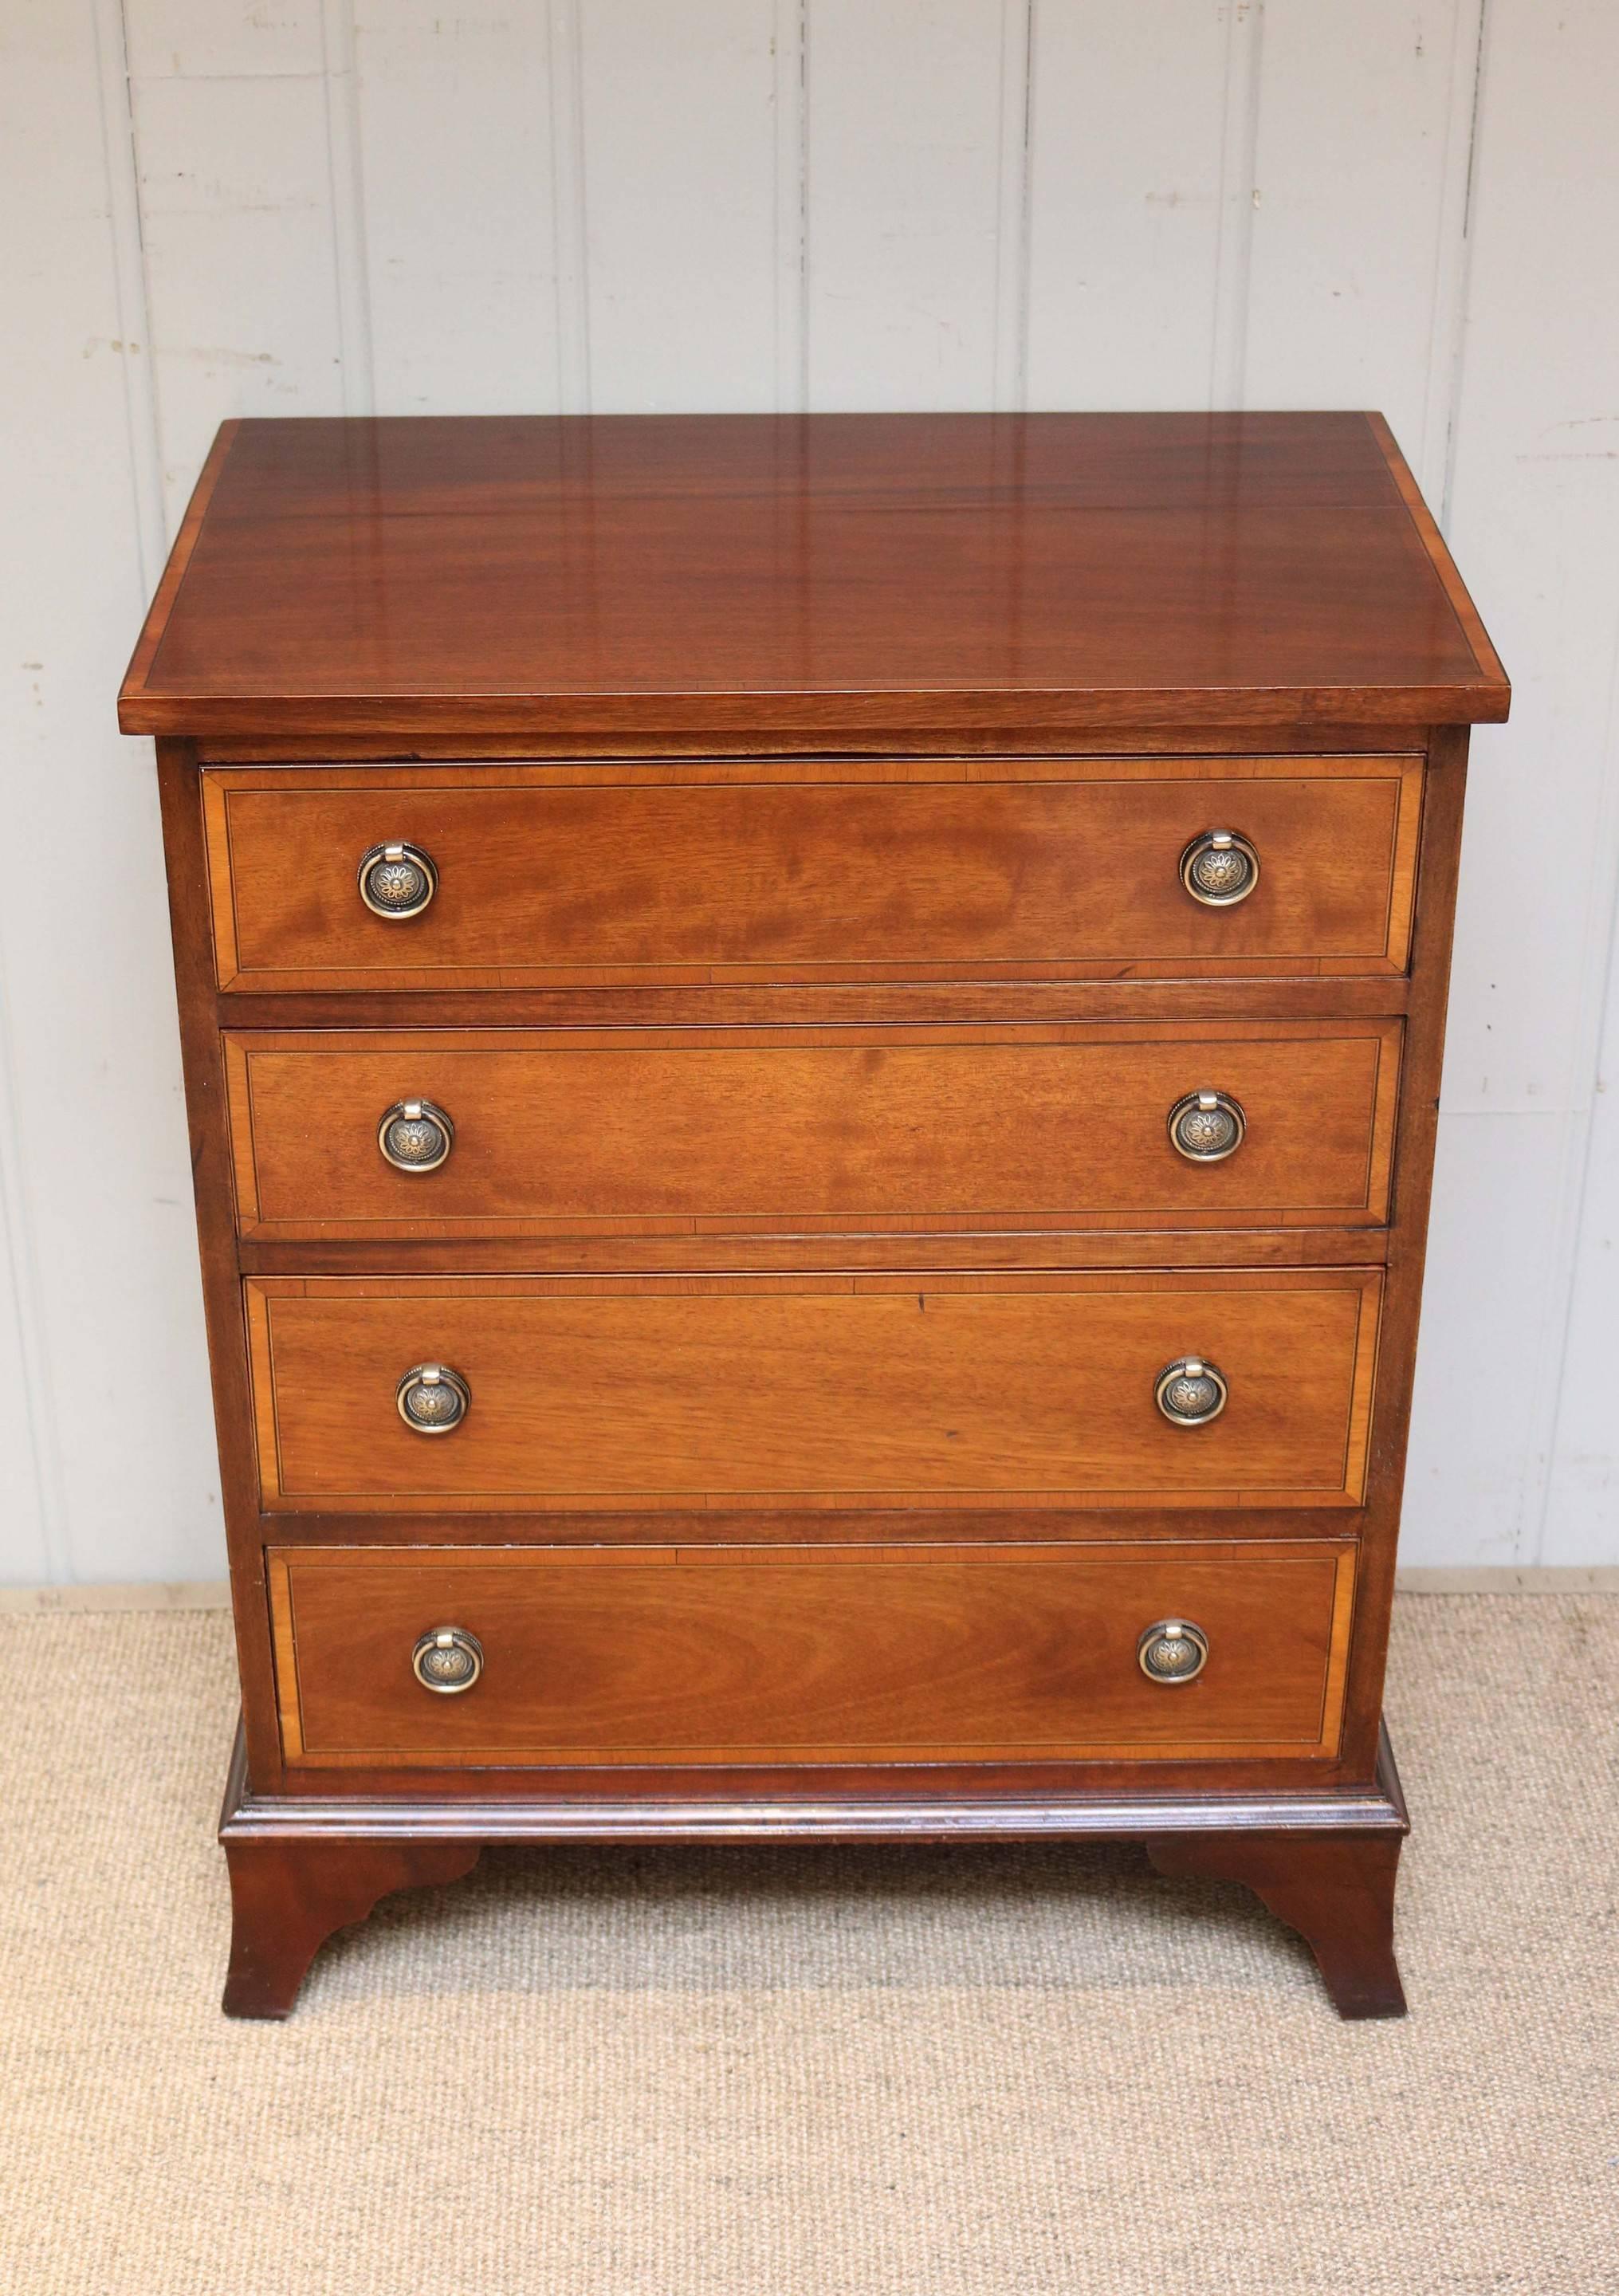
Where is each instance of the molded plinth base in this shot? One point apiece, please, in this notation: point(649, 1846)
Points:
point(301, 1867)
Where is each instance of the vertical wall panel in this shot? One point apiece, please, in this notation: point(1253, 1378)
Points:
point(216, 40)
point(241, 261)
point(108, 1442)
point(1535, 511)
point(456, 165)
point(1127, 138)
point(1535, 516)
point(905, 118)
point(789, 123)
point(28, 1556)
point(680, 205)
point(1582, 1524)
point(1474, 1413)
point(1360, 162)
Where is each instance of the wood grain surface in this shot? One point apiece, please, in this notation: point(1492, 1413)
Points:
point(675, 1655)
point(756, 1132)
point(702, 872)
point(814, 1391)
point(654, 571)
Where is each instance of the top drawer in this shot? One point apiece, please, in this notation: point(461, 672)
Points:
point(557, 876)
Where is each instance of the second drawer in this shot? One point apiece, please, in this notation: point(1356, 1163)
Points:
point(751, 1131)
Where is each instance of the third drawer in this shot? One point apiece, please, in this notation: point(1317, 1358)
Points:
point(397, 1394)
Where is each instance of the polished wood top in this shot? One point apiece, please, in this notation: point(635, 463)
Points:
point(852, 572)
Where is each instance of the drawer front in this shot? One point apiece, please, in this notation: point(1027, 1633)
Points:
point(819, 1392)
point(787, 1655)
point(752, 1131)
point(700, 872)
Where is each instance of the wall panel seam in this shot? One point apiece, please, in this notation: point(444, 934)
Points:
point(788, 40)
point(1601, 947)
point(1010, 387)
point(346, 191)
point(38, 1412)
point(1463, 275)
point(1241, 96)
point(569, 205)
point(1431, 451)
point(143, 427)
point(1552, 1322)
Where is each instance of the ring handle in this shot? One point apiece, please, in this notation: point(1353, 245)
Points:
point(1172, 1651)
point(416, 1135)
point(1191, 1392)
point(1207, 1127)
point(447, 1660)
point(432, 1399)
point(397, 881)
point(1219, 868)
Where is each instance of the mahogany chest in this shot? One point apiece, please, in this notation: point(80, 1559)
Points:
point(812, 1049)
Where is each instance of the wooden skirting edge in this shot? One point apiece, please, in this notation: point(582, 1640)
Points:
point(138, 1595)
point(215, 1594)
point(1511, 1578)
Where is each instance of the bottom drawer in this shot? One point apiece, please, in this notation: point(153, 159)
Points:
point(692, 1655)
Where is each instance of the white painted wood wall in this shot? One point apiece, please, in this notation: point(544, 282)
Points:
point(300, 206)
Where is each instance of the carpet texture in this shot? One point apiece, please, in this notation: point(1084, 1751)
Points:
point(866, 2072)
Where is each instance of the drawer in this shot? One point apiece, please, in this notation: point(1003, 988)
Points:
point(580, 875)
point(754, 1131)
point(801, 1654)
point(817, 1391)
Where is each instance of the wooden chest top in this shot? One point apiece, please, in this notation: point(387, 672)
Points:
point(860, 573)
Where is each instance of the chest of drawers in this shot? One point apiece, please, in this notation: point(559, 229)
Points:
point(812, 1049)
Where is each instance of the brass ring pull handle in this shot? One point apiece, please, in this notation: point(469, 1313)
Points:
point(447, 1660)
point(1191, 1392)
point(1218, 869)
point(1171, 1649)
point(1206, 1127)
point(416, 1135)
point(432, 1399)
point(397, 881)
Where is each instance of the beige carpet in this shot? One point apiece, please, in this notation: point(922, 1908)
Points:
point(862, 2072)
